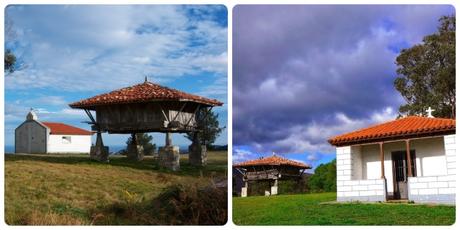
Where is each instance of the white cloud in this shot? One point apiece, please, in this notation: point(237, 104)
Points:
point(80, 48)
point(240, 155)
point(47, 100)
point(312, 138)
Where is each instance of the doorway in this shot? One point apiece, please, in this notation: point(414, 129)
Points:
point(400, 171)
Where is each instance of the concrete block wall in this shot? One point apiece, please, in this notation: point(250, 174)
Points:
point(437, 189)
point(355, 190)
point(361, 190)
point(343, 163)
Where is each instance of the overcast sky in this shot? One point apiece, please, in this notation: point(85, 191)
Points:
point(302, 74)
point(76, 52)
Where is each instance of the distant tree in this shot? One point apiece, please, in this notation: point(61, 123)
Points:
point(10, 61)
point(426, 73)
point(146, 141)
point(10, 34)
point(208, 124)
point(324, 178)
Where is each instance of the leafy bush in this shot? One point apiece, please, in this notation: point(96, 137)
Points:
point(324, 178)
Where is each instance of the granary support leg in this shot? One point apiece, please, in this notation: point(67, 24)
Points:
point(99, 152)
point(274, 188)
point(168, 156)
point(168, 141)
point(135, 151)
point(197, 152)
point(244, 189)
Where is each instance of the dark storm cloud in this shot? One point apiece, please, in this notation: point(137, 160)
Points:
point(301, 73)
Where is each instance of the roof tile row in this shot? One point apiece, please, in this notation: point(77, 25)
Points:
point(63, 129)
point(273, 160)
point(144, 92)
point(408, 126)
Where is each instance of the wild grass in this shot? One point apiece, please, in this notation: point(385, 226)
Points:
point(319, 209)
point(72, 189)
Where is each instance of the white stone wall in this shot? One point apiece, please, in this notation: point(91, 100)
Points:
point(440, 188)
point(359, 190)
point(78, 144)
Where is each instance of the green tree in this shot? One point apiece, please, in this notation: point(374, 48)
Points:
point(208, 124)
point(426, 73)
point(10, 35)
point(10, 61)
point(146, 141)
point(324, 178)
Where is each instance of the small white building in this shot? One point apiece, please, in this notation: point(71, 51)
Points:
point(373, 163)
point(33, 136)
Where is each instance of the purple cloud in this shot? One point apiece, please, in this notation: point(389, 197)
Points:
point(304, 73)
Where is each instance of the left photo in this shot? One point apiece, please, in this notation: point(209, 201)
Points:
point(116, 115)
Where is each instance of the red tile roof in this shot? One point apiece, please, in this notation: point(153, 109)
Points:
point(62, 129)
point(412, 126)
point(273, 160)
point(144, 92)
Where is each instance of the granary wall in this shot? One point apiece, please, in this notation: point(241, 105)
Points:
point(150, 116)
point(69, 143)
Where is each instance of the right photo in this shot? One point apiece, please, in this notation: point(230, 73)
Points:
point(344, 115)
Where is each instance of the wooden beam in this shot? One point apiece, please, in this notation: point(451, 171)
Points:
point(164, 114)
point(301, 172)
point(193, 115)
point(177, 114)
point(409, 160)
point(90, 116)
point(382, 161)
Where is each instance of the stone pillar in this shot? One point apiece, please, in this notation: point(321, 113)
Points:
point(244, 190)
point(168, 141)
point(169, 155)
point(274, 188)
point(196, 152)
point(99, 152)
point(135, 151)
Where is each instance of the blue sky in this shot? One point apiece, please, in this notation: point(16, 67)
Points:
point(303, 74)
point(75, 52)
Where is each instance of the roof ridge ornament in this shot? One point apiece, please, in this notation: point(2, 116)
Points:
point(429, 111)
point(146, 79)
point(31, 115)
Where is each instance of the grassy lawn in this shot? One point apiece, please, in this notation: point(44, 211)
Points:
point(310, 209)
point(72, 189)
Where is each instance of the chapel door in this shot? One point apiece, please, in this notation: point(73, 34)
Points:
point(400, 171)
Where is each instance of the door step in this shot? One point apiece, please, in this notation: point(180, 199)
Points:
point(398, 201)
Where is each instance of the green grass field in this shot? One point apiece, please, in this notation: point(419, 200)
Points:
point(317, 209)
point(72, 189)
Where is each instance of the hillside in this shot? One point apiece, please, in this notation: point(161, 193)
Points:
point(71, 189)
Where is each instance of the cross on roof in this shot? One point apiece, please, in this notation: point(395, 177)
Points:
point(429, 111)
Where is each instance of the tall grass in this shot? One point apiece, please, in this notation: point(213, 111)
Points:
point(73, 190)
